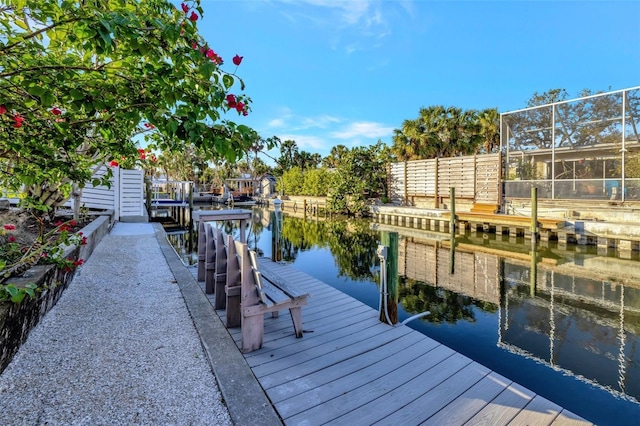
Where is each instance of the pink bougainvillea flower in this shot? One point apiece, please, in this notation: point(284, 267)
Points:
point(239, 107)
point(73, 223)
point(193, 17)
point(12, 239)
point(237, 60)
point(114, 163)
point(3, 109)
point(9, 226)
point(56, 111)
point(140, 150)
point(210, 54)
point(17, 121)
point(245, 112)
point(78, 262)
point(194, 45)
point(184, 7)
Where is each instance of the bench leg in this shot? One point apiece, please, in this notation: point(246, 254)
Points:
point(210, 279)
point(234, 315)
point(252, 332)
point(220, 301)
point(296, 316)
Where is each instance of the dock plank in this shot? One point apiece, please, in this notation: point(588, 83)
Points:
point(412, 403)
point(356, 389)
point(386, 395)
point(539, 411)
point(502, 409)
point(311, 347)
point(567, 418)
point(360, 364)
point(319, 357)
point(463, 408)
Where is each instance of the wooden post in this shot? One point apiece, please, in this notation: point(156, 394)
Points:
point(275, 238)
point(452, 254)
point(534, 213)
point(452, 200)
point(390, 240)
point(534, 268)
point(304, 205)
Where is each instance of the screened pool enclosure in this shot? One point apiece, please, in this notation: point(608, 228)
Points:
point(586, 148)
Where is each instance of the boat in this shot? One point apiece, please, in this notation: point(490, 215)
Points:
point(240, 200)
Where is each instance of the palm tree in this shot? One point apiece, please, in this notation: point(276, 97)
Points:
point(489, 123)
point(437, 132)
point(334, 159)
point(303, 159)
point(288, 151)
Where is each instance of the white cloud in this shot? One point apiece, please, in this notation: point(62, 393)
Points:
point(320, 133)
point(364, 129)
point(321, 122)
point(351, 12)
point(307, 142)
point(276, 122)
point(347, 21)
point(283, 116)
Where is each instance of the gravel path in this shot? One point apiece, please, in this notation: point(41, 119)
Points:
point(118, 348)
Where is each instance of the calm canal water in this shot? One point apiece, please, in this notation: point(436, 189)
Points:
point(564, 323)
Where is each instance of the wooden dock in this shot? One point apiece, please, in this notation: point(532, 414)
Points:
point(351, 369)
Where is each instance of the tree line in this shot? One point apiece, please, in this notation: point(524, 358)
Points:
point(351, 177)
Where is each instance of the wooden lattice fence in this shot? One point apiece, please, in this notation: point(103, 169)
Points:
point(476, 178)
point(476, 274)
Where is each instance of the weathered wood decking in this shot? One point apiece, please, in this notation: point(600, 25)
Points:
point(350, 369)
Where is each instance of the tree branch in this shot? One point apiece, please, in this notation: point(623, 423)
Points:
point(52, 67)
point(38, 32)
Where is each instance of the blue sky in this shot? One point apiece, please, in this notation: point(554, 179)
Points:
point(329, 72)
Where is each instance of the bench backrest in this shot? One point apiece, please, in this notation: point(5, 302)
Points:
point(221, 254)
point(233, 263)
point(251, 279)
point(210, 246)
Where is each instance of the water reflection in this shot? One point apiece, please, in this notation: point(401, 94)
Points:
point(574, 312)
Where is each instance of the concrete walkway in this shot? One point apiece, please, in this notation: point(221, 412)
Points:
point(133, 340)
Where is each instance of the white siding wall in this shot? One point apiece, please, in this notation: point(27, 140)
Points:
point(99, 197)
point(125, 195)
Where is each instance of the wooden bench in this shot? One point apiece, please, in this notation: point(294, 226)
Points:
point(215, 265)
point(253, 295)
point(509, 220)
point(484, 208)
